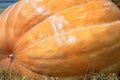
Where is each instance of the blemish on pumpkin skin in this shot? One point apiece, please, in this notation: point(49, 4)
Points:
point(57, 23)
point(72, 39)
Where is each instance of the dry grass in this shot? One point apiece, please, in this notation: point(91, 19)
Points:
point(117, 2)
point(5, 75)
point(91, 76)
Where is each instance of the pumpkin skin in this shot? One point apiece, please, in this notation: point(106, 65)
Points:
point(75, 37)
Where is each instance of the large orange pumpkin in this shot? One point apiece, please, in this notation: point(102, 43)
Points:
point(60, 37)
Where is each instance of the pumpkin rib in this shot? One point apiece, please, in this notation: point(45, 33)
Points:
point(60, 74)
point(17, 13)
point(49, 20)
point(2, 55)
point(15, 20)
point(24, 70)
point(38, 24)
point(116, 45)
point(71, 31)
point(17, 63)
point(14, 68)
point(6, 17)
point(45, 73)
point(65, 33)
point(113, 68)
point(69, 6)
point(5, 63)
point(82, 28)
point(48, 16)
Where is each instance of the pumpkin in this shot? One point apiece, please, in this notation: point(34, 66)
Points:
point(60, 37)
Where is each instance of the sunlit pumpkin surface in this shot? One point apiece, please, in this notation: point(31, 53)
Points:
point(60, 37)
